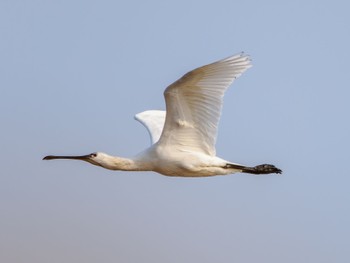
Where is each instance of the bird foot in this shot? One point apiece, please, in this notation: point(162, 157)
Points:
point(266, 169)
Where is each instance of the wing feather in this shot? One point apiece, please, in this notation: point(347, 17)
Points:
point(153, 120)
point(194, 102)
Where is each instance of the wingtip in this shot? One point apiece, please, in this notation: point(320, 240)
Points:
point(240, 57)
point(243, 54)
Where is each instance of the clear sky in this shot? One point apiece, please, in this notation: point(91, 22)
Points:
point(74, 73)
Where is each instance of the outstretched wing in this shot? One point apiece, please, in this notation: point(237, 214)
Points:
point(194, 102)
point(153, 120)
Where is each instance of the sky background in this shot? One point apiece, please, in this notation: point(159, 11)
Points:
point(74, 73)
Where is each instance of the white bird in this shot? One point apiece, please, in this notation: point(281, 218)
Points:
point(183, 138)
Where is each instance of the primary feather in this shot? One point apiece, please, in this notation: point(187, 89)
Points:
point(194, 102)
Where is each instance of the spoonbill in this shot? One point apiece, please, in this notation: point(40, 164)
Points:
point(183, 137)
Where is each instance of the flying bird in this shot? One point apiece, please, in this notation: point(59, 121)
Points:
point(183, 137)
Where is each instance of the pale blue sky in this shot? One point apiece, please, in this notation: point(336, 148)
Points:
point(73, 74)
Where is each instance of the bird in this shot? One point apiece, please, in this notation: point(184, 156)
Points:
point(183, 136)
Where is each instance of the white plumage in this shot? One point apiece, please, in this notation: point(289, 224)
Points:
point(153, 120)
point(183, 138)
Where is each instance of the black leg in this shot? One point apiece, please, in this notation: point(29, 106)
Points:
point(262, 169)
point(259, 169)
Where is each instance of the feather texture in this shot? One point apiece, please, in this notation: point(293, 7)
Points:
point(194, 102)
point(153, 120)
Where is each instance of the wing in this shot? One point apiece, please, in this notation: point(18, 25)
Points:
point(153, 120)
point(194, 102)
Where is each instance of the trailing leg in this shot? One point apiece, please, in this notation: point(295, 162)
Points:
point(259, 169)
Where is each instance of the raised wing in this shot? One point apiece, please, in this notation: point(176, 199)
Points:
point(153, 120)
point(194, 102)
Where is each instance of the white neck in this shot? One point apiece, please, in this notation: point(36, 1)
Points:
point(119, 163)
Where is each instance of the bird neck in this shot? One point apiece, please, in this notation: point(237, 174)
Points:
point(120, 163)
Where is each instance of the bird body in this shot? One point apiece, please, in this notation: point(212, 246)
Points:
point(183, 137)
point(163, 161)
point(175, 162)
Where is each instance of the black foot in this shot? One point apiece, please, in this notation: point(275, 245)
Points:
point(267, 169)
point(262, 169)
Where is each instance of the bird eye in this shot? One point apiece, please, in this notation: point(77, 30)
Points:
point(93, 154)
